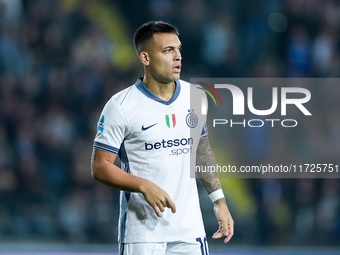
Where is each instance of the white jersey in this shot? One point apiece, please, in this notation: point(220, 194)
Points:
point(155, 140)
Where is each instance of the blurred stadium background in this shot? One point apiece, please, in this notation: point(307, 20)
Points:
point(60, 61)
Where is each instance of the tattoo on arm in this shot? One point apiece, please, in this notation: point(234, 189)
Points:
point(204, 159)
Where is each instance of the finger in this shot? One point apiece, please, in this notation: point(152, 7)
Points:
point(217, 235)
point(227, 238)
point(157, 211)
point(230, 234)
point(164, 203)
point(170, 204)
point(219, 230)
point(227, 227)
point(160, 206)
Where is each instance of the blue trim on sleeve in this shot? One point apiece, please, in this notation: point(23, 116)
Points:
point(105, 147)
point(140, 85)
point(204, 131)
point(125, 195)
point(123, 157)
point(124, 200)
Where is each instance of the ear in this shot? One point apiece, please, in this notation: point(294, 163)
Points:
point(145, 58)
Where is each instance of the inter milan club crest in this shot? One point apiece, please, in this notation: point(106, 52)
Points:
point(191, 120)
point(170, 120)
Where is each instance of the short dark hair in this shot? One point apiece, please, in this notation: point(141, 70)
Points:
point(146, 31)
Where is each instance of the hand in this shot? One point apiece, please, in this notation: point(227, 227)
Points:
point(224, 219)
point(157, 198)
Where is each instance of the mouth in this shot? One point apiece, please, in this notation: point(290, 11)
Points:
point(177, 68)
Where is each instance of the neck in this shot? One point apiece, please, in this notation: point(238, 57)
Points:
point(164, 91)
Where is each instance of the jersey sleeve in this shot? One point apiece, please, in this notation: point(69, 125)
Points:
point(204, 132)
point(204, 113)
point(111, 128)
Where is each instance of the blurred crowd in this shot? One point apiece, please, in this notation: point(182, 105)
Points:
point(57, 72)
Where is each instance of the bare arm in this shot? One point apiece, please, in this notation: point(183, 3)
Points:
point(205, 157)
point(104, 171)
point(210, 181)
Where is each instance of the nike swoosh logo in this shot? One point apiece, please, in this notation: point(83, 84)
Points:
point(146, 128)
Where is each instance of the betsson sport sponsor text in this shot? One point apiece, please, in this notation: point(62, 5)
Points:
point(185, 144)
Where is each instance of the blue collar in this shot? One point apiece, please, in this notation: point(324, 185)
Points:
point(140, 85)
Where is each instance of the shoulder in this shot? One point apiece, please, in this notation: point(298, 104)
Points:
point(115, 105)
point(193, 89)
point(123, 95)
point(197, 95)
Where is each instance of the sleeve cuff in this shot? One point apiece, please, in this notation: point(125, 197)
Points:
point(105, 147)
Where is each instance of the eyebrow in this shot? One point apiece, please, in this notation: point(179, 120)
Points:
point(172, 47)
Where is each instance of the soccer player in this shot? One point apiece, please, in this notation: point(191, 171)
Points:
point(155, 131)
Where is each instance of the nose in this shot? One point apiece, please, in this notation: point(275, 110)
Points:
point(178, 56)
